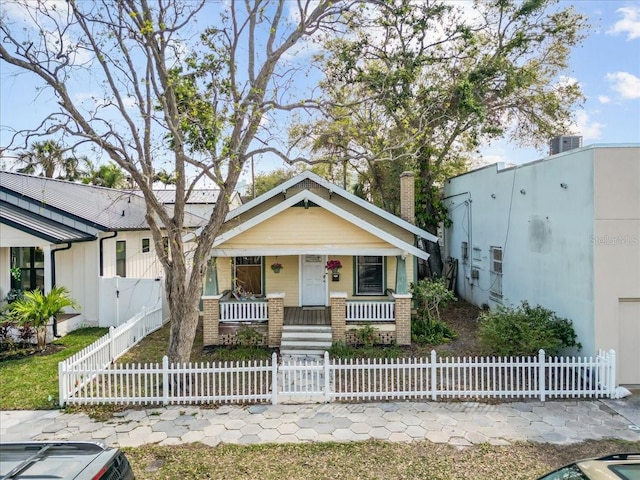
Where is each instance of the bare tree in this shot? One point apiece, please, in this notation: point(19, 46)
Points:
point(168, 90)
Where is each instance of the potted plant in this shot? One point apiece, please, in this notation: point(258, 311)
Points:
point(276, 267)
point(334, 266)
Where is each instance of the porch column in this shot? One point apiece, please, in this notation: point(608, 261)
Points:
point(403, 318)
point(338, 316)
point(210, 319)
point(211, 278)
point(275, 306)
point(401, 275)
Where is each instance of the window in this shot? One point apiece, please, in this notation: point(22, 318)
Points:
point(248, 274)
point(30, 262)
point(146, 245)
point(121, 258)
point(495, 290)
point(370, 275)
point(465, 252)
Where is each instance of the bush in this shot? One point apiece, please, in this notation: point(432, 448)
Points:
point(524, 330)
point(426, 327)
point(367, 335)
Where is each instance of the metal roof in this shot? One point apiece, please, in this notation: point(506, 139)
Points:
point(200, 196)
point(106, 208)
point(103, 208)
point(39, 226)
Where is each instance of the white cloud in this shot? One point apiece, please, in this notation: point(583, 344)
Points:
point(583, 125)
point(625, 83)
point(603, 99)
point(629, 23)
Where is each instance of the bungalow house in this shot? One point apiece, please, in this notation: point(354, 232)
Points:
point(272, 263)
point(92, 240)
point(562, 232)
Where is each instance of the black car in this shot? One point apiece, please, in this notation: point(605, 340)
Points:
point(64, 460)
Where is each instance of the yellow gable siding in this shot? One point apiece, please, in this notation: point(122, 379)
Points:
point(286, 281)
point(298, 227)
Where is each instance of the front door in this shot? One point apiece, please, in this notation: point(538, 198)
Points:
point(314, 287)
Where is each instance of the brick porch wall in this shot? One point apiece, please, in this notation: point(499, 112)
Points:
point(211, 320)
point(338, 316)
point(403, 318)
point(276, 318)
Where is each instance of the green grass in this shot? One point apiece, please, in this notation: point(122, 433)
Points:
point(27, 383)
point(154, 346)
point(344, 351)
point(362, 460)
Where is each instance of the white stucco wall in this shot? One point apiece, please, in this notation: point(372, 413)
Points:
point(545, 232)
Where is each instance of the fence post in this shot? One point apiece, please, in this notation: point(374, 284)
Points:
point(274, 379)
point(63, 381)
point(327, 393)
point(612, 373)
point(165, 380)
point(111, 340)
point(541, 375)
point(144, 323)
point(434, 386)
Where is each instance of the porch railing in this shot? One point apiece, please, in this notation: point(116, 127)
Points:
point(244, 311)
point(358, 311)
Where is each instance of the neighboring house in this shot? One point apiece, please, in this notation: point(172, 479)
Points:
point(562, 232)
point(301, 225)
point(200, 201)
point(77, 235)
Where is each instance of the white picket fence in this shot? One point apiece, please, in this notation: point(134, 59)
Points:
point(370, 311)
point(96, 357)
point(334, 380)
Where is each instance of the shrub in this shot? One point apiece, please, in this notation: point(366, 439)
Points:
point(248, 336)
point(367, 335)
point(524, 330)
point(426, 326)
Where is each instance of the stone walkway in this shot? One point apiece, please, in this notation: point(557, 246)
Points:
point(456, 423)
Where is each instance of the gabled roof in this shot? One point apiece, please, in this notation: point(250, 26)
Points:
point(334, 189)
point(199, 196)
point(40, 227)
point(102, 208)
point(86, 208)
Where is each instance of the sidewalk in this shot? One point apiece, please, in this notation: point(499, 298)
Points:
point(456, 423)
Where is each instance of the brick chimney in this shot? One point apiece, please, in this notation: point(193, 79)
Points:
point(408, 197)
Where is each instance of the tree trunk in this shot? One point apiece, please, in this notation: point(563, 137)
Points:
point(435, 258)
point(41, 336)
point(183, 301)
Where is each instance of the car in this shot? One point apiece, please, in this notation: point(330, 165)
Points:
point(624, 466)
point(63, 460)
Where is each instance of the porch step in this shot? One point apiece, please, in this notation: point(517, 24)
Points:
point(305, 340)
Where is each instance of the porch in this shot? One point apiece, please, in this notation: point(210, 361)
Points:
point(223, 318)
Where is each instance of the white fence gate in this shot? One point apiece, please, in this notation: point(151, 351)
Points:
point(334, 380)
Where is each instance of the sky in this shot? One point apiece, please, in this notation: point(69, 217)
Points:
point(606, 65)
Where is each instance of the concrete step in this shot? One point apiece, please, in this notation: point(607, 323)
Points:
point(305, 340)
point(303, 352)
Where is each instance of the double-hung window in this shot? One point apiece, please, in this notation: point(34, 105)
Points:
point(495, 290)
point(370, 275)
point(248, 274)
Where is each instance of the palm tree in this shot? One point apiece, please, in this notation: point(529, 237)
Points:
point(109, 175)
point(36, 308)
point(48, 158)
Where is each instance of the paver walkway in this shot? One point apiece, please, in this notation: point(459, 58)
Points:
point(456, 423)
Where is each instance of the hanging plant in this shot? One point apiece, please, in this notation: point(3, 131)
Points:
point(276, 267)
point(333, 265)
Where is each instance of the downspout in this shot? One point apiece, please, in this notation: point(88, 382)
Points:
point(115, 234)
point(53, 282)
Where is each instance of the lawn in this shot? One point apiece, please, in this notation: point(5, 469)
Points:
point(362, 460)
point(31, 382)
